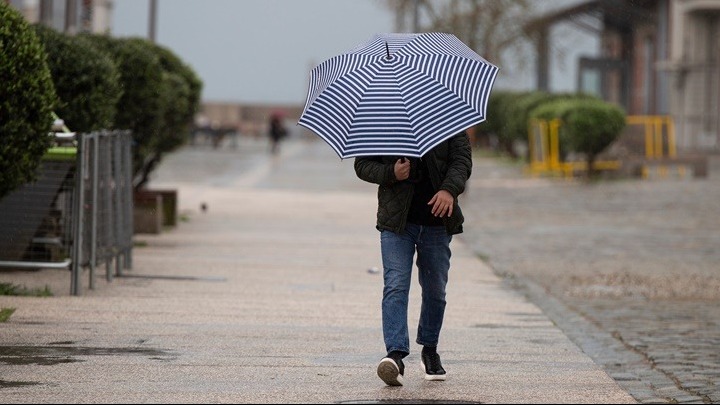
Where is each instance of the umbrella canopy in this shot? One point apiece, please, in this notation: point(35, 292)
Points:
point(398, 94)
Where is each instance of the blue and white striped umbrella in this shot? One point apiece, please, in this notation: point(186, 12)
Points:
point(398, 94)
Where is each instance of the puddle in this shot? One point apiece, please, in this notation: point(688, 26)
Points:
point(15, 384)
point(52, 355)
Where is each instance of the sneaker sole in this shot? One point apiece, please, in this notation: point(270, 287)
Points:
point(431, 377)
point(389, 372)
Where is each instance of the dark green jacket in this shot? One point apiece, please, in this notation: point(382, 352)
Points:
point(449, 166)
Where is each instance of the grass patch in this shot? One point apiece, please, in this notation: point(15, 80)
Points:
point(140, 243)
point(5, 314)
point(12, 289)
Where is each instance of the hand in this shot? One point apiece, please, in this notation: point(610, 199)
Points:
point(442, 203)
point(402, 169)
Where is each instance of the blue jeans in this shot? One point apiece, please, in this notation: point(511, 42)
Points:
point(432, 244)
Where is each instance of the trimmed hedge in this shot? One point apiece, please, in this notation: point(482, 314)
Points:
point(181, 98)
point(140, 108)
point(519, 110)
point(160, 98)
point(27, 99)
point(589, 125)
point(593, 125)
point(499, 119)
point(87, 81)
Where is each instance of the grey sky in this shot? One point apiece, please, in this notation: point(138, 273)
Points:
point(261, 51)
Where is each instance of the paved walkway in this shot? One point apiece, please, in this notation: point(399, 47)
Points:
point(267, 298)
point(629, 269)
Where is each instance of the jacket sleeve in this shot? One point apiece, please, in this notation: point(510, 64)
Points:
point(459, 165)
point(373, 170)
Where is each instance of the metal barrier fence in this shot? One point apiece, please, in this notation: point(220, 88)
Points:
point(544, 145)
point(79, 212)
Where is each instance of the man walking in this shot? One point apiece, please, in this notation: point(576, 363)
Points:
point(418, 212)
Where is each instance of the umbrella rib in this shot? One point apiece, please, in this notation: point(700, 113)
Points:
point(398, 94)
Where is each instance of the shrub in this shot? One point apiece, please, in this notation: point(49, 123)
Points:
point(589, 125)
point(555, 109)
point(140, 108)
point(593, 125)
point(495, 122)
point(519, 110)
point(27, 99)
point(160, 98)
point(499, 118)
point(181, 91)
point(86, 80)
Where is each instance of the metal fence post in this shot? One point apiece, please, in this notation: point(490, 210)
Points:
point(79, 203)
point(94, 181)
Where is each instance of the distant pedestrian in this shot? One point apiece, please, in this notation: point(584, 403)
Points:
point(277, 132)
point(418, 212)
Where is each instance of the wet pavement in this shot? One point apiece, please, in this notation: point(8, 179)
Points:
point(237, 305)
point(630, 269)
point(269, 296)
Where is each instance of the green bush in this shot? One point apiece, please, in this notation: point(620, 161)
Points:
point(160, 98)
point(181, 91)
point(497, 103)
point(589, 125)
point(499, 118)
point(141, 108)
point(592, 126)
point(86, 80)
point(174, 65)
point(552, 109)
point(519, 110)
point(27, 99)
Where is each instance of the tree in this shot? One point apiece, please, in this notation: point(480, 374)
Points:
point(27, 99)
point(86, 80)
point(180, 91)
point(489, 27)
point(594, 125)
point(160, 97)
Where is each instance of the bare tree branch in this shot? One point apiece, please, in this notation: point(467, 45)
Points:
point(490, 27)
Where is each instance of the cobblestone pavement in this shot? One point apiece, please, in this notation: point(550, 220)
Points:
point(629, 269)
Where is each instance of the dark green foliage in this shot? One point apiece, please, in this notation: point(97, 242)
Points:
point(27, 99)
point(160, 98)
point(86, 80)
point(589, 125)
point(517, 127)
point(555, 109)
point(593, 126)
point(192, 89)
point(141, 108)
point(496, 120)
point(181, 98)
point(499, 118)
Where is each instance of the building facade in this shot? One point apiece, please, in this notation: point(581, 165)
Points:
point(69, 16)
point(657, 57)
point(693, 64)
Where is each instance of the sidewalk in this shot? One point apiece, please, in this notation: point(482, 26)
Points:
point(267, 298)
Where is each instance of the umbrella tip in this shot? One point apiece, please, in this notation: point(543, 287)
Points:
point(387, 50)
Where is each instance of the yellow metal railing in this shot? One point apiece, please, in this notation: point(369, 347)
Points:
point(544, 144)
point(659, 131)
point(656, 145)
